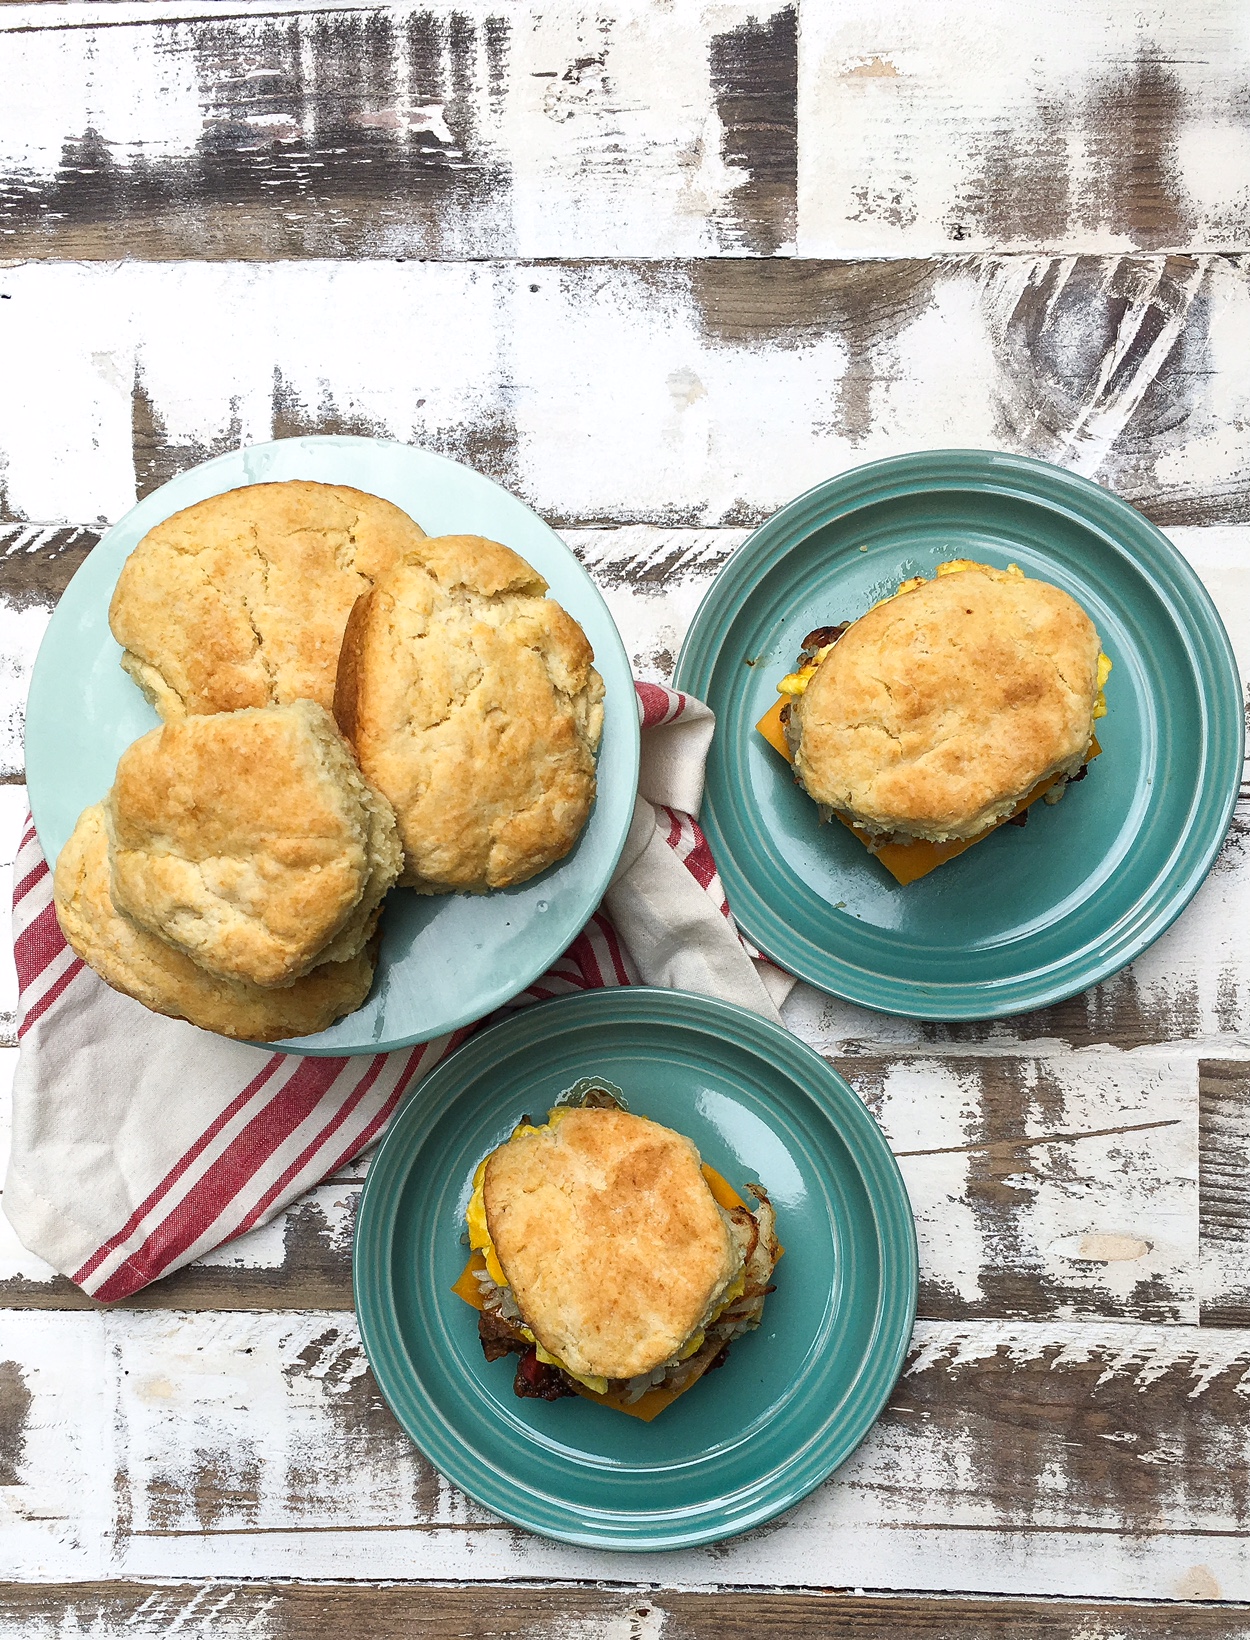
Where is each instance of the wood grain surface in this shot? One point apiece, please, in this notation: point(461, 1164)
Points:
point(693, 392)
point(657, 268)
point(1016, 1454)
point(223, 1610)
point(1068, 127)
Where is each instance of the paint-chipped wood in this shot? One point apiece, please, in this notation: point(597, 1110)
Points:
point(1060, 1458)
point(698, 393)
point(1224, 1192)
point(285, 1611)
point(441, 131)
point(1067, 127)
point(1066, 1188)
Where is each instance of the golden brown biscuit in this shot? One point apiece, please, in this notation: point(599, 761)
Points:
point(144, 967)
point(242, 599)
point(474, 709)
point(251, 841)
point(938, 710)
point(612, 1243)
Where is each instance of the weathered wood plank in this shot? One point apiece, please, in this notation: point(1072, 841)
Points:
point(452, 130)
point(303, 1260)
point(1065, 1188)
point(704, 393)
point(286, 1611)
point(1091, 1461)
point(1224, 1192)
point(1069, 127)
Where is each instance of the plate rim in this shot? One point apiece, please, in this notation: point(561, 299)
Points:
point(893, 1219)
point(232, 460)
point(1188, 602)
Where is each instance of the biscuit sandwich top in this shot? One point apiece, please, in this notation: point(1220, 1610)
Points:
point(473, 705)
point(241, 599)
point(936, 712)
point(609, 1238)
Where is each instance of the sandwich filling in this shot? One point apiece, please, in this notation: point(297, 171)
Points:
point(923, 736)
point(734, 1306)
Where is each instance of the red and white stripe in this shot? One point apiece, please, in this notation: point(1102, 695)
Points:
point(658, 706)
point(299, 1119)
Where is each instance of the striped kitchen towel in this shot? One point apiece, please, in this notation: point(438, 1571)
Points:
point(140, 1143)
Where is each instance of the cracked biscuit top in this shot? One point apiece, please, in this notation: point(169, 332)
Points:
point(250, 841)
point(613, 1245)
point(473, 706)
point(934, 713)
point(241, 600)
point(143, 966)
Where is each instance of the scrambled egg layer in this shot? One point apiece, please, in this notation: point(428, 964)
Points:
point(480, 1242)
point(795, 683)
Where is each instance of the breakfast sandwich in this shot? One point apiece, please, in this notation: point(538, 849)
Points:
point(141, 965)
point(473, 707)
point(241, 600)
point(944, 712)
point(611, 1260)
point(250, 841)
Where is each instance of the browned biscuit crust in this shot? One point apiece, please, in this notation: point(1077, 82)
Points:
point(474, 709)
point(241, 600)
point(938, 710)
point(612, 1243)
point(251, 841)
point(143, 967)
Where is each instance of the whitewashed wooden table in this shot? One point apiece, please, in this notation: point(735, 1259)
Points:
point(658, 266)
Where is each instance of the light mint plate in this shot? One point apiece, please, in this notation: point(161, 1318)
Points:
point(1030, 915)
point(446, 960)
point(795, 1397)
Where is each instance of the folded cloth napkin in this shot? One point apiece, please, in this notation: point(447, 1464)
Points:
point(140, 1143)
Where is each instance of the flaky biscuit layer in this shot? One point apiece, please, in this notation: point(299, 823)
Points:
point(241, 600)
point(250, 841)
point(474, 708)
point(144, 967)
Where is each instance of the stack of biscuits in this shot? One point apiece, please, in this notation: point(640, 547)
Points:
point(235, 874)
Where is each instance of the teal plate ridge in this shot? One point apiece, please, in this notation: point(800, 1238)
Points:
point(1031, 915)
point(794, 1398)
point(447, 959)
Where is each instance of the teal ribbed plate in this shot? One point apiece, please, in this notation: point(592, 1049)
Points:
point(794, 1398)
point(1032, 914)
point(446, 959)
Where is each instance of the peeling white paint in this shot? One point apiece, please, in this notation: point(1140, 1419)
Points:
point(1086, 1186)
point(995, 126)
point(558, 377)
point(193, 1446)
point(598, 134)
